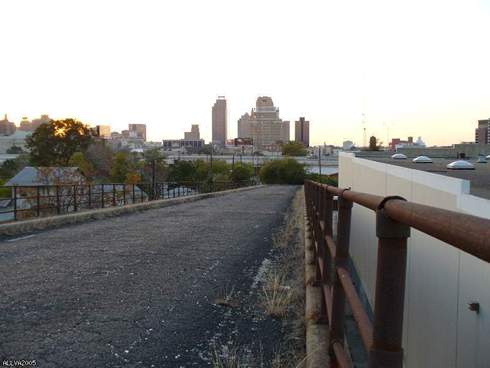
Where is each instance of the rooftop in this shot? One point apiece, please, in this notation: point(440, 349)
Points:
point(479, 178)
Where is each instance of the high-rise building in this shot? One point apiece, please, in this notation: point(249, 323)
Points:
point(36, 123)
point(103, 131)
point(25, 125)
point(482, 132)
point(137, 131)
point(302, 131)
point(219, 121)
point(263, 125)
point(7, 127)
point(193, 134)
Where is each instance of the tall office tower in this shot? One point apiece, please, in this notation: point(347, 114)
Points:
point(219, 134)
point(194, 134)
point(482, 133)
point(36, 123)
point(263, 125)
point(137, 131)
point(302, 131)
point(7, 127)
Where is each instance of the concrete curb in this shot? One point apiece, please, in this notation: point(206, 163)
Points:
point(28, 226)
point(316, 332)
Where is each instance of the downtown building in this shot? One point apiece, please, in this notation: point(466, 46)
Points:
point(482, 132)
point(219, 122)
point(302, 131)
point(264, 126)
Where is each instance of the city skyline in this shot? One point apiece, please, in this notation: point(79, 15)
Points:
point(412, 70)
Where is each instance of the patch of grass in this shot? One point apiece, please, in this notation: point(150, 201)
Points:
point(226, 297)
point(225, 357)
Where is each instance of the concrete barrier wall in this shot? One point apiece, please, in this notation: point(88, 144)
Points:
point(439, 329)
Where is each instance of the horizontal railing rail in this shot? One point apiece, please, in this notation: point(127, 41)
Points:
point(381, 337)
point(45, 200)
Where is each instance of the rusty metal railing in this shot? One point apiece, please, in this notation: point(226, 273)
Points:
point(382, 337)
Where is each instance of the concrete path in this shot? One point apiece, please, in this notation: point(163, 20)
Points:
point(135, 290)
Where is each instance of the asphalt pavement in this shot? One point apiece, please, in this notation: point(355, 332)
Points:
point(136, 290)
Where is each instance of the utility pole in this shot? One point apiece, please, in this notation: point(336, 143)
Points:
point(153, 178)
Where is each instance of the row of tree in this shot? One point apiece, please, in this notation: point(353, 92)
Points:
point(70, 143)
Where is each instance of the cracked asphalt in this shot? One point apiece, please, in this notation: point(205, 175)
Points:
point(136, 290)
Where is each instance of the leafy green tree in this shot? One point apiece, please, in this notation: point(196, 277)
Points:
point(54, 143)
point(100, 156)
point(11, 167)
point(78, 160)
point(124, 169)
point(182, 171)
point(15, 150)
point(161, 169)
point(241, 173)
point(284, 171)
point(293, 149)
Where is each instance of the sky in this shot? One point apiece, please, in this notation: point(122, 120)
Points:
point(419, 68)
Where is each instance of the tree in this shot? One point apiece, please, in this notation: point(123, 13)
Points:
point(15, 150)
point(100, 155)
point(123, 170)
point(241, 173)
point(293, 149)
point(285, 171)
point(54, 143)
point(374, 144)
point(11, 167)
point(78, 160)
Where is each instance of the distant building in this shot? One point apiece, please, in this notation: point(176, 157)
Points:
point(190, 146)
point(7, 127)
point(103, 131)
point(482, 132)
point(398, 143)
point(263, 125)
point(25, 125)
point(36, 123)
point(219, 121)
point(194, 134)
point(302, 131)
point(137, 131)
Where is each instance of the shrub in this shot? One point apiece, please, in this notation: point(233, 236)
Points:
point(285, 171)
point(241, 173)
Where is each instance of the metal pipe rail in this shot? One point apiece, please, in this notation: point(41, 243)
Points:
point(382, 338)
point(46, 200)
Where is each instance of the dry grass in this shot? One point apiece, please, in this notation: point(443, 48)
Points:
point(225, 357)
point(226, 297)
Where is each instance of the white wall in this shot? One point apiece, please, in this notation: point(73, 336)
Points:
point(439, 330)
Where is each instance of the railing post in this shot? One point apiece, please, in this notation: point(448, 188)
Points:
point(124, 194)
point(15, 203)
point(38, 201)
point(102, 195)
point(341, 259)
point(75, 198)
point(89, 196)
point(386, 350)
point(58, 209)
point(133, 195)
point(113, 195)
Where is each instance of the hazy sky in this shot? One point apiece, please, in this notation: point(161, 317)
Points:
point(413, 67)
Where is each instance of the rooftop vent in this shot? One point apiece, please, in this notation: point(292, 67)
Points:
point(399, 156)
point(460, 165)
point(422, 160)
point(481, 160)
